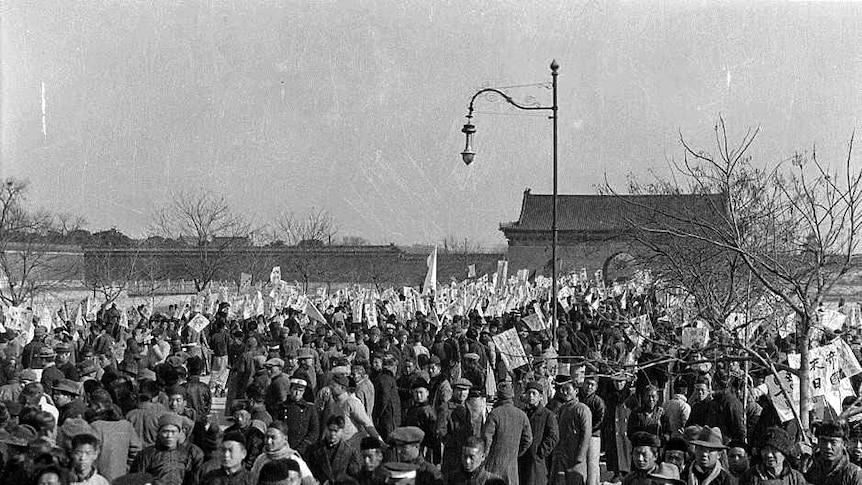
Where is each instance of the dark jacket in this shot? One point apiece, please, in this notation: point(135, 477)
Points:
point(387, 405)
point(329, 464)
point(220, 477)
point(507, 435)
point(199, 397)
point(842, 473)
point(424, 418)
point(724, 477)
point(597, 407)
point(171, 467)
point(757, 475)
point(532, 465)
point(302, 423)
point(476, 477)
point(277, 393)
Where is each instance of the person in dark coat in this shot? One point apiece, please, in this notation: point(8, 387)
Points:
point(302, 419)
point(279, 386)
point(569, 461)
point(423, 416)
point(533, 465)
point(831, 464)
point(453, 424)
point(198, 394)
point(774, 467)
point(371, 452)
point(331, 457)
point(507, 435)
point(649, 416)
point(169, 461)
point(387, 404)
point(231, 470)
point(645, 448)
point(406, 443)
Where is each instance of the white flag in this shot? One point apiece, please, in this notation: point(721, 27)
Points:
point(431, 277)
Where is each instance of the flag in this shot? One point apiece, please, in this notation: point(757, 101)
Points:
point(502, 273)
point(471, 271)
point(313, 313)
point(430, 283)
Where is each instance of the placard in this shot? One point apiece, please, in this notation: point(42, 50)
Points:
point(198, 323)
point(784, 404)
point(509, 346)
point(695, 337)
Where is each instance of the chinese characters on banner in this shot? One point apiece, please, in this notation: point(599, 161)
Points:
point(784, 405)
point(510, 349)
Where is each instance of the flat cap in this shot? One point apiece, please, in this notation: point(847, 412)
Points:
point(67, 386)
point(171, 419)
point(407, 435)
point(463, 383)
point(400, 471)
point(341, 379)
point(642, 438)
point(535, 385)
point(274, 362)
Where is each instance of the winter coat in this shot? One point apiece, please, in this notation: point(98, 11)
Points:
point(199, 397)
point(387, 404)
point(453, 429)
point(477, 477)
point(345, 460)
point(575, 421)
point(507, 435)
point(179, 466)
point(533, 465)
point(120, 442)
point(842, 473)
point(757, 475)
point(303, 423)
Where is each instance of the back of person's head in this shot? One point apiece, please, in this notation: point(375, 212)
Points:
point(148, 390)
point(31, 394)
point(52, 469)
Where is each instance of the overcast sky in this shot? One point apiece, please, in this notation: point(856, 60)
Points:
point(355, 106)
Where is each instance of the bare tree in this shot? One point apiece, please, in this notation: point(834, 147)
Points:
point(791, 229)
point(354, 241)
point(314, 226)
point(458, 245)
point(30, 260)
point(211, 231)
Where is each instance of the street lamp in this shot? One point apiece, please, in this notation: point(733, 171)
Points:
point(468, 155)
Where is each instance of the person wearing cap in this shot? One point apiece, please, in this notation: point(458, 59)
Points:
point(507, 434)
point(774, 467)
point(676, 453)
point(231, 460)
point(407, 442)
point(279, 386)
point(301, 416)
point(281, 472)
point(569, 460)
point(357, 423)
point(831, 465)
point(305, 365)
point(277, 448)
point(387, 403)
point(453, 423)
point(597, 408)
point(371, 471)
point(364, 388)
point(63, 361)
point(48, 372)
point(471, 469)
point(169, 461)
point(738, 459)
point(532, 465)
point(854, 442)
point(645, 460)
point(67, 398)
point(422, 415)
point(706, 467)
point(331, 457)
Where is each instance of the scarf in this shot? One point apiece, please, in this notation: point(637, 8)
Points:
point(693, 480)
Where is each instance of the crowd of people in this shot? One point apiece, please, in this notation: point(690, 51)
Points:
point(130, 401)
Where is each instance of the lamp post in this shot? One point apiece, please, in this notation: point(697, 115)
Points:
point(468, 155)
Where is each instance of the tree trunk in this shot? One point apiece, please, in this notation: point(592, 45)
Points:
point(805, 374)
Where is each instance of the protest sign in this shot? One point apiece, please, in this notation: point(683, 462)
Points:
point(534, 322)
point(829, 364)
point(245, 281)
point(19, 318)
point(471, 271)
point(502, 274)
point(784, 404)
point(198, 323)
point(510, 348)
point(275, 275)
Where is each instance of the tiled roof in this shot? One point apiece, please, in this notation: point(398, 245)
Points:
point(608, 212)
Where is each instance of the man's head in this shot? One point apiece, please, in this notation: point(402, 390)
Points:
point(701, 388)
point(371, 450)
point(274, 367)
point(533, 394)
point(339, 384)
point(242, 417)
point(434, 366)
point(461, 390)
point(377, 363)
point(649, 397)
point(170, 429)
point(63, 351)
point(176, 399)
point(776, 447)
point(276, 436)
point(420, 391)
point(472, 453)
point(85, 451)
point(567, 389)
point(676, 453)
point(232, 451)
point(359, 370)
point(590, 386)
point(830, 440)
point(298, 385)
point(334, 430)
point(280, 472)
point(708, 446)
point(64, 391)
point(854, 443)
point(645, 448)
point(407, 440)
point(737, 457)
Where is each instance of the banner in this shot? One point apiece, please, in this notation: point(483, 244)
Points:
point(430, 283)
point(509, 346)
point(245, 280)
point(198, 323)
point(275, 275)
point(695, 337)
point(784, 404)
